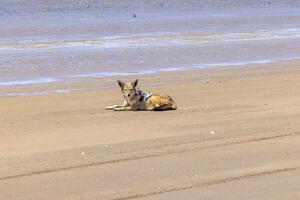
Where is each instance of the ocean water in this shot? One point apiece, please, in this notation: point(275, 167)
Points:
point(51, 42)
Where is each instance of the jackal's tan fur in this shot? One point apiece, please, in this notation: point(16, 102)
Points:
point(135, 99)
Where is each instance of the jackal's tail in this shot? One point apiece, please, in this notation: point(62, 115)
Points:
point(173, 104)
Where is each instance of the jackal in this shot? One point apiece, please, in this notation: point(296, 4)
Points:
point(135, 99)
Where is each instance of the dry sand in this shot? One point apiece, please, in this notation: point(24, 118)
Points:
point(236, 135)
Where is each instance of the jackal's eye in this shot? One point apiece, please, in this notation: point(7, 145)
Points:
point(131, 90)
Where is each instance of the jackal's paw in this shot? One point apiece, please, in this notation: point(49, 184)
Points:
point(109, 108)
point(117, 109)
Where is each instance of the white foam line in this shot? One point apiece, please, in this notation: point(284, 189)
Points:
point(156, 40)
point(183, 68)
point(59, 91)
point(106, 74)
point(27, 82)
point(16, 94)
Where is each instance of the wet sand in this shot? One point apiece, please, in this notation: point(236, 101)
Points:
point(235, 135)
point(70, 41)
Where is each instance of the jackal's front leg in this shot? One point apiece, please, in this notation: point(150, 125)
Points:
point(116, 106)
point(126, 108)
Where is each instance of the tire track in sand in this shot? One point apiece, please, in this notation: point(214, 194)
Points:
point(154, 151)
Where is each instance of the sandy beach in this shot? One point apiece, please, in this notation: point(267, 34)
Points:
point(232, 66)
point(235, 134)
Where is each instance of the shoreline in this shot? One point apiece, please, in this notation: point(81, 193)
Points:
point(56, 83)
point(70, 45)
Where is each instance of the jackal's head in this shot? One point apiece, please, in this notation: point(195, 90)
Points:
point(128, 89)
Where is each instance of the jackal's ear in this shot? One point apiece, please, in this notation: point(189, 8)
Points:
point(121, 83)
point(134, 83)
